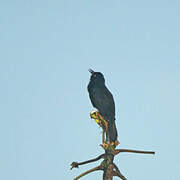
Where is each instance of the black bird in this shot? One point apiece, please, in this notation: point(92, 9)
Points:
point(102, 99)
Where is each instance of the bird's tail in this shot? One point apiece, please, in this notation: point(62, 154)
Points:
point(112, 132)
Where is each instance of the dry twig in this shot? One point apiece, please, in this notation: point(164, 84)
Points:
point(107, 166)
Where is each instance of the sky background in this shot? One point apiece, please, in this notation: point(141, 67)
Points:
point(47, 48)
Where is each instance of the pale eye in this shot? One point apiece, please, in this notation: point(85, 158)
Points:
point(94, 75)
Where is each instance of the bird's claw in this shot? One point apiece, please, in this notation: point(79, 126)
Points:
point(107, 144)
point(116, 143)
point(104, 145)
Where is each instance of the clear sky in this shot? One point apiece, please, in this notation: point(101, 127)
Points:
point(47, 48)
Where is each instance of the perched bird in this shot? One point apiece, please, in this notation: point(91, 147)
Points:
point(102, 99)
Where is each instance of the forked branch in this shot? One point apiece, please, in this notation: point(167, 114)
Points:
point(107, 166)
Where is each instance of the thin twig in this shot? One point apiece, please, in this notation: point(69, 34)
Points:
point(117, 151)
point(118, 173)
point(76, 164)
point(89, 171)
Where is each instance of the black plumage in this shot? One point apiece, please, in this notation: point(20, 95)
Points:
point(102, 99)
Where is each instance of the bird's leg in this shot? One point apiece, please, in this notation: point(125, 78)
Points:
point(103, 136)
point(105, 126)
point(105, 123)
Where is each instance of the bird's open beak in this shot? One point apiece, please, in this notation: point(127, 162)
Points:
point(91, 71)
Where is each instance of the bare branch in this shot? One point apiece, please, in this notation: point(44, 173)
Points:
point(87, 172)
point(107, 165)
point(118, 173)
point(76, 164)
point(117, 151)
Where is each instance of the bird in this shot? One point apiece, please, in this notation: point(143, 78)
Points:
point(102, 99)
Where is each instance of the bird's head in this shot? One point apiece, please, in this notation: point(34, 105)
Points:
point(96, 77)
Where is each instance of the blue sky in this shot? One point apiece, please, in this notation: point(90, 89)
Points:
point(47, 48)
